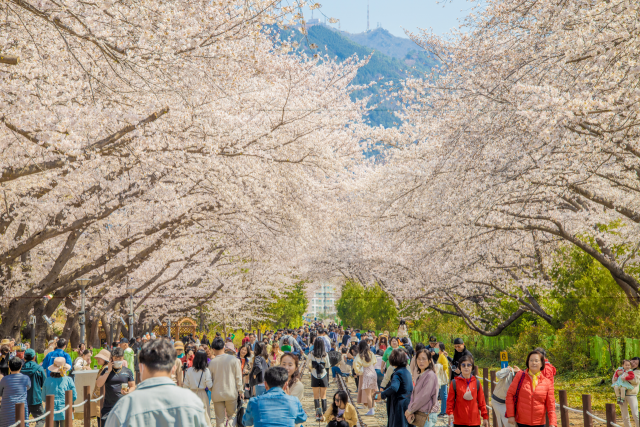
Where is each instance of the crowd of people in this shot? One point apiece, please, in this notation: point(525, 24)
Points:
point(259, 383)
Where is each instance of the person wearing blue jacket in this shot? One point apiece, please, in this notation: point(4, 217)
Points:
point(58, 352)
point(57, 384)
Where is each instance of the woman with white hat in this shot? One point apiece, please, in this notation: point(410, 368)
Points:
point(102, 358)
point(57, 384)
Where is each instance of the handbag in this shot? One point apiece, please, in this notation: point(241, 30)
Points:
point(240, 413)
point(420, 418)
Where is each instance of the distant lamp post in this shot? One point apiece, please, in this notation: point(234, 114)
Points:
point(83, 296)
point(32, 322)
point(169, 328)
point(131, 290)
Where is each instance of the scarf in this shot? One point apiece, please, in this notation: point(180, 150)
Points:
point(534, 379)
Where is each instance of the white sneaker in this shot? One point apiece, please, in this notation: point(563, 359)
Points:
point(371, 412)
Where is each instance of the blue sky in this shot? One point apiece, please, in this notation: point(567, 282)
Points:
point(394, 15)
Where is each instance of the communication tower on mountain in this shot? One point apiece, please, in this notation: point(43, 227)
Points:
point(367, 15)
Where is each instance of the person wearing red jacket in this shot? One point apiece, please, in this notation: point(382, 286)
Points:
point(530, 395)
point(465, 400)
point(549, 370)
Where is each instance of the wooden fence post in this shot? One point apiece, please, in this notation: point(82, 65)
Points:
point(493, 386)
point(49, 406)
point(564, 414)
point(20, 413)
point(485, 383)
point(68, 413)
point(611, 414)
point(87, 406)
point(586, 407)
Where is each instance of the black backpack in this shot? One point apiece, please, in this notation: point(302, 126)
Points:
point(335, 357)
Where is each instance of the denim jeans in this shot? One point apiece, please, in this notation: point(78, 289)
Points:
point(335, 371)
point(432, 419)
point(443, 399)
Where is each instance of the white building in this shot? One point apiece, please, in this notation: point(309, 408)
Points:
point(323, 302)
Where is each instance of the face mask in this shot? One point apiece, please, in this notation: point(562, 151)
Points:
point(117, 364)
point(436, 350)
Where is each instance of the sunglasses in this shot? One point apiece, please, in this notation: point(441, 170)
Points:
point(466, 365)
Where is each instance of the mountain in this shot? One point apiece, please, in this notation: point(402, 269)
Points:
point(385, 42)
point(398, 63)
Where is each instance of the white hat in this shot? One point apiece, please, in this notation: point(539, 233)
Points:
point(58, 364)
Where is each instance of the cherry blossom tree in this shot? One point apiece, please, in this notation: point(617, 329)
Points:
point(167, 146)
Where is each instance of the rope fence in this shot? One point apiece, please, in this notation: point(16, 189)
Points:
point(61, 410)
point(50, 411)
point(80, 404)
point(45, 415)
point(488, 386)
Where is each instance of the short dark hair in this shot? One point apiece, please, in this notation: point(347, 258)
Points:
point(405, 340)
point(539, 354)
point(398, 358)
point(117, 352)
point(217, 344)
point(276, 376)
point(86, 352)
point(158, 355)
point(200, 361)
point(62, 343)
point(15, 364)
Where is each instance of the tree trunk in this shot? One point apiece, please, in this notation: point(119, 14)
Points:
point(107, 329)
point(118, 330)
point(93, 337)
point(74, 339)
point(13, 316)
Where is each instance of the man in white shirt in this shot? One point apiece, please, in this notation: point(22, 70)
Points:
point(227, 382)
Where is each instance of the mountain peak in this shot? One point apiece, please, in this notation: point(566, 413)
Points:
point(383, 41)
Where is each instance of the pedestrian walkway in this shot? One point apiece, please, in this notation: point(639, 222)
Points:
point(379, 419)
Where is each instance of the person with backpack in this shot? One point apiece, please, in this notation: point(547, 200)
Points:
point(466, 401)
point(318, 366)
point(530, 395)
point(498, 398)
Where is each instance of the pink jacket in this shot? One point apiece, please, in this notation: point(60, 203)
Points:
point(425, 393)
